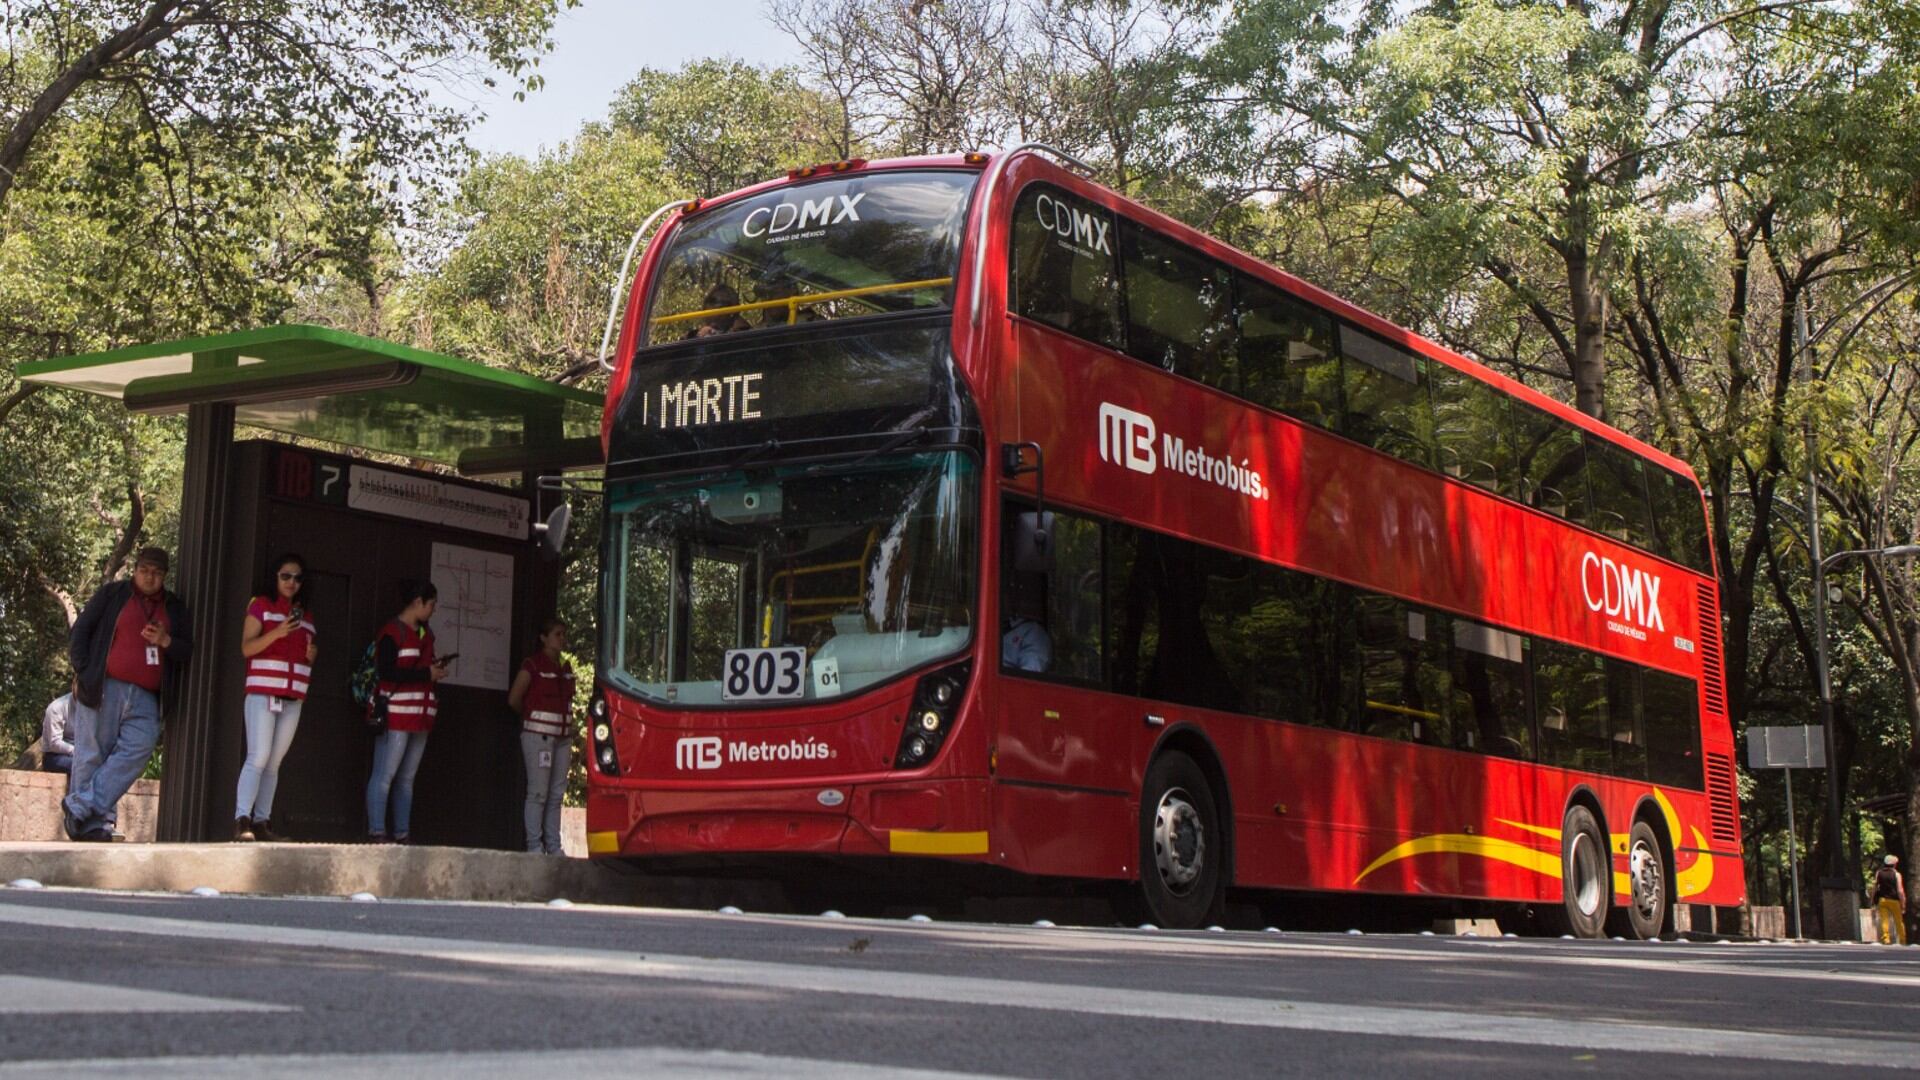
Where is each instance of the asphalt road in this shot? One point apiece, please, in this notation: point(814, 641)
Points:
point(241, 987)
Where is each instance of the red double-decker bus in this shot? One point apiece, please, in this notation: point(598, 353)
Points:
point(960, 509)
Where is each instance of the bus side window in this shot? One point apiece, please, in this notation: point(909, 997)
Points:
point(1619, 484)
point(1625, 728)
point(1161, 633)
point(1549, 468)
point(1672, 711)
point(1286, 360)
point(1570, 690)
point(1179, 307)
point(1405, 687)
point(1469, 428)
point(1388, 406)
point(1064, 271)
point(1050, 623)
point(1490, 674)
point(1679, 526)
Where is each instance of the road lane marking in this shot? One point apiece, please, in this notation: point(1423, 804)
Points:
point(27, 994)
point(624, 1063)
point(1540, 1030)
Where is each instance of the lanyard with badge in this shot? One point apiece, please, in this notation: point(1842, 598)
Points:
point(150, 610)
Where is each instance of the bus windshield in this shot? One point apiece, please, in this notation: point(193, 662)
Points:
point(852, 245)
point(866, 565)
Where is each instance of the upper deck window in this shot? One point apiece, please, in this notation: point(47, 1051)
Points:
point(853, 245)
point(1064, 270)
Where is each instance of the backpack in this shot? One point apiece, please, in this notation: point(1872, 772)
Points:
point(365, 677)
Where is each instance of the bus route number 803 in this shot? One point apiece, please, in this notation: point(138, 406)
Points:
point(763, 674)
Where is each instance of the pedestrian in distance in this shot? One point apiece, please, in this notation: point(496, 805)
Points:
point(56, 735)
point(277, 641)
point(408, 673)
point(1890, 902)
point(129, 650)
point(542, 693)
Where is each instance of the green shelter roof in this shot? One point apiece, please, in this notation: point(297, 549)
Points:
point(350, 390)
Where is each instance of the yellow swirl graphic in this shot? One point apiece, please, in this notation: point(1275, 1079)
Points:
point(1487, 847)
point(1692, 881)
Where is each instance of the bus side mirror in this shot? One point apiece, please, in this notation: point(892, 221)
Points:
point(551, 534)
point(1033, 542)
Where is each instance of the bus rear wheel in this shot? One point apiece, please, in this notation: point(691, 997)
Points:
point(1182, 846)
point(1586, 875)
point(1645, 915)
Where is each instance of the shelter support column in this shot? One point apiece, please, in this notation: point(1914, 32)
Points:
point(204, 544)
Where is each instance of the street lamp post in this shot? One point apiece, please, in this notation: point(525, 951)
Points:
point(1839, 903)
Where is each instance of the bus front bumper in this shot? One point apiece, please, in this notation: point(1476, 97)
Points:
point(922, 817)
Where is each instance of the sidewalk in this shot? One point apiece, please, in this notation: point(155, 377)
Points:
point(388, 871)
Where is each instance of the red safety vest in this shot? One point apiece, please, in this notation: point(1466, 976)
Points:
point(549, 700)
point(280, 670)
point(411, 706)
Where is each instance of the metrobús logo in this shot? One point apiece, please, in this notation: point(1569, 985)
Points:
point(1628, 597)
point(1127, 438)
point(801, 220)
point(706, 752)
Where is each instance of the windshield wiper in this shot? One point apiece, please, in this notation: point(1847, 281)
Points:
point(899, 440)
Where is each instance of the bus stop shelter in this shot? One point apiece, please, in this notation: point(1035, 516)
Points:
point(363, 525)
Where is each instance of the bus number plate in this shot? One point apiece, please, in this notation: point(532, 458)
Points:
point(763, 674)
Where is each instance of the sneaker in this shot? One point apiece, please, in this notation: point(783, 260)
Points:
point(378, 838)
point(97, 835)
point(71, 824)
point(242, 828)
point(264, 833)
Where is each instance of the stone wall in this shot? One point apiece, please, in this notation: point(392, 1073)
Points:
point(30, 807)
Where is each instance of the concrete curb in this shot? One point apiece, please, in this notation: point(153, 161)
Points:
point(388, 871)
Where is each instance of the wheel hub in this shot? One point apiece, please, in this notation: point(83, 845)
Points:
point(1179, 841)
point(1644, 871)
point(1585, 866)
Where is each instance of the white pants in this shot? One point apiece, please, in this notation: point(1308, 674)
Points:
point(269, 734)
point(548, 758)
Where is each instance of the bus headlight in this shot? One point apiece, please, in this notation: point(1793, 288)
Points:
point(936, 702)
point(604, 755)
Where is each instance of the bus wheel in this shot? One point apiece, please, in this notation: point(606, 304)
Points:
point(1181, 845)
point(1586, 874)
point(1646, 914)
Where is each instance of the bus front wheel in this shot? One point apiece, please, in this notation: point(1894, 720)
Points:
point(1182, 845)
point(1586, 875)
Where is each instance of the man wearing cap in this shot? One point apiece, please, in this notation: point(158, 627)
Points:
point(1890, 902)
point(129, 650)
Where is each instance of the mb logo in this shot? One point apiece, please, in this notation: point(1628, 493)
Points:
point(702, 752)
point(1126, 438)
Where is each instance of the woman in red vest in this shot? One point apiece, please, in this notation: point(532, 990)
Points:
point(403, 654)
point(542, 694)
point(278, 644)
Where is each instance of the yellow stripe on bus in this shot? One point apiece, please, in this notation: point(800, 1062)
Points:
point(603, 843)
point(914, 842)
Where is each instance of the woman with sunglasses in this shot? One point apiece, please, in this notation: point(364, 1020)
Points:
point(278, 644)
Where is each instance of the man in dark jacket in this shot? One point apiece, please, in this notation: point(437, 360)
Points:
point(129, 651)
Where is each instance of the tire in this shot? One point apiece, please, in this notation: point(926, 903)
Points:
point(1645, 915)
point(1182, 846)
point(1586, 875)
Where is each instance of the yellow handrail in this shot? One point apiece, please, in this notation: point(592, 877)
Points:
point(1420, 714)
point(792, 303)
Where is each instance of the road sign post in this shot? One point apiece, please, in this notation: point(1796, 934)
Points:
point(1787, 749)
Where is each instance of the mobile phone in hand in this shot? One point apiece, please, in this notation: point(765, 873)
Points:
point(447, 659)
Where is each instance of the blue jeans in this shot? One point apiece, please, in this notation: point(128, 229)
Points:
point(269, 734)
point(396, 757)
point(111, 747)
point(546, 788)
